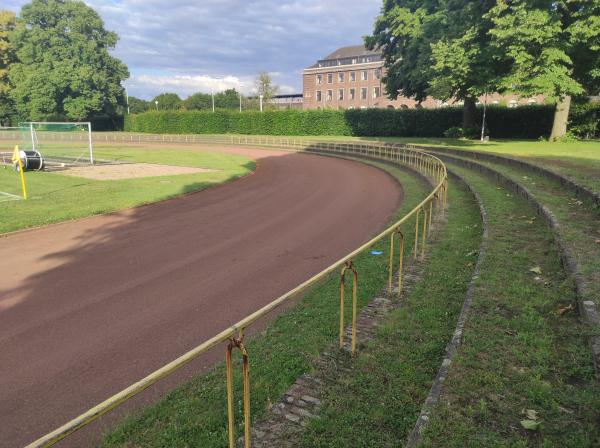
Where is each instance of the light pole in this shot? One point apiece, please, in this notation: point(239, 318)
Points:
point(156, 103)
point(212, 94)
point(240, 101)
point(261, 100)
point(127, 100)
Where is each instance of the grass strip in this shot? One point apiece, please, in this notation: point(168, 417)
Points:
point(195, 413)
point(580, 222)
point(55, 197)
point(519, 353)
point(378, 403)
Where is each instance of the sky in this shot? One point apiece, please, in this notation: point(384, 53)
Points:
point(187, 46)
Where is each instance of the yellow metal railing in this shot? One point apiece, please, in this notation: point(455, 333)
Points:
point(426, 164)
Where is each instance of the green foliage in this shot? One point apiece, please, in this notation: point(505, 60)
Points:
point(435, 48)
point(528, 122)
point(64, 68)
point(168, 101)
point(584, 121)
point(7, 57)
point(137, 105)
point(229, 99)
point(198, 101)
point(532, 39)
point(265, 86)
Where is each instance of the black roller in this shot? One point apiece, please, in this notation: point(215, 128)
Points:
point(31, 161)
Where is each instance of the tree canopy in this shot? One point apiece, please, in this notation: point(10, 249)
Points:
point(551, 48)
point(436, 47)
point(461, 49)
point(7, 57)
point(169, 101)
point(64, 68)
point(265, 86)
point(198, 101)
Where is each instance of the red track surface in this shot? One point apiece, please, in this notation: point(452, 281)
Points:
point(90, 306)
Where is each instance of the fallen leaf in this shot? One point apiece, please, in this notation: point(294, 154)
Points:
point(565, 309)
point(597, 241)
point(536, 270)
point(530, 424)
point(531, 414)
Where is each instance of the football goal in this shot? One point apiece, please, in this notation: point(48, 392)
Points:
point(61, 144)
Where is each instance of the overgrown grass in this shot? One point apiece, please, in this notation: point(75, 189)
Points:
point(519, 353)
point(580, 222)
point(54, 197)
point(195, 413)
point(377, 404)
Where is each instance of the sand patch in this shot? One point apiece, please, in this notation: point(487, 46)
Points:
point(130, 171)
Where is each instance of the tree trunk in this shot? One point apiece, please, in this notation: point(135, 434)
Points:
point(469, 113)
point(561, 115)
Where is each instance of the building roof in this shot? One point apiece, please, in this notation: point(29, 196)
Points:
point(348, 52)
point(348, 55)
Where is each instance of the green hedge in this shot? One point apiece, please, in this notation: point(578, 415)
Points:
point(527, 122)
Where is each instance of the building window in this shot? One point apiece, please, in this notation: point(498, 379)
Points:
point(341, 77)
point(377, 73)
point(352, 76)
point(352, 94)
point(319, 79)
point(354, 60)
point(329, 78)
point(340, 94)
point(376, 92)
point(364, 75)
point(329, 95)
point(363, 93)
point(319, 96)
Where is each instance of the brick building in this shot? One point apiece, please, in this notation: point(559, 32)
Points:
point(351, 78)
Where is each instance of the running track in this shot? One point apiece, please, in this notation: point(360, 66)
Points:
point(90, 306)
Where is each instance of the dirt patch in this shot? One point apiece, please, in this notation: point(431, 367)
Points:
point(130, 170)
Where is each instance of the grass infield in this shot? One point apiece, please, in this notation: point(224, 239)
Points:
point(54, 197)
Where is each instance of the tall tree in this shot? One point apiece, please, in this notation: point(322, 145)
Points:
point(7, 57)
point(436, 47)
point(137, 105)
point(167, 101)
point(198, 101)
point(553, 48)
point(265, 86)
point(229, 99)
point(64, 67)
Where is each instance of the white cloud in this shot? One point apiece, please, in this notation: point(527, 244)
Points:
point(187, 44)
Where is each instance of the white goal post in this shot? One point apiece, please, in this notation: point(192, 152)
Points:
point(38, 136)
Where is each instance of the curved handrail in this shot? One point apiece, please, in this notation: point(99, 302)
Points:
point(427, 164)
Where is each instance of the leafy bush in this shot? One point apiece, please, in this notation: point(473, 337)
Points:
point(453, 132)
point(527, 122)
point(584, 120)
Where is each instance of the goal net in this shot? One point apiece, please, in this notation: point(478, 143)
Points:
point(61, 144)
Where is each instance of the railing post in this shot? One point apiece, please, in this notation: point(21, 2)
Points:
point(400, 263)
point(348, 266)
point(238, 343)
point(416, 248)
point(424, 233)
